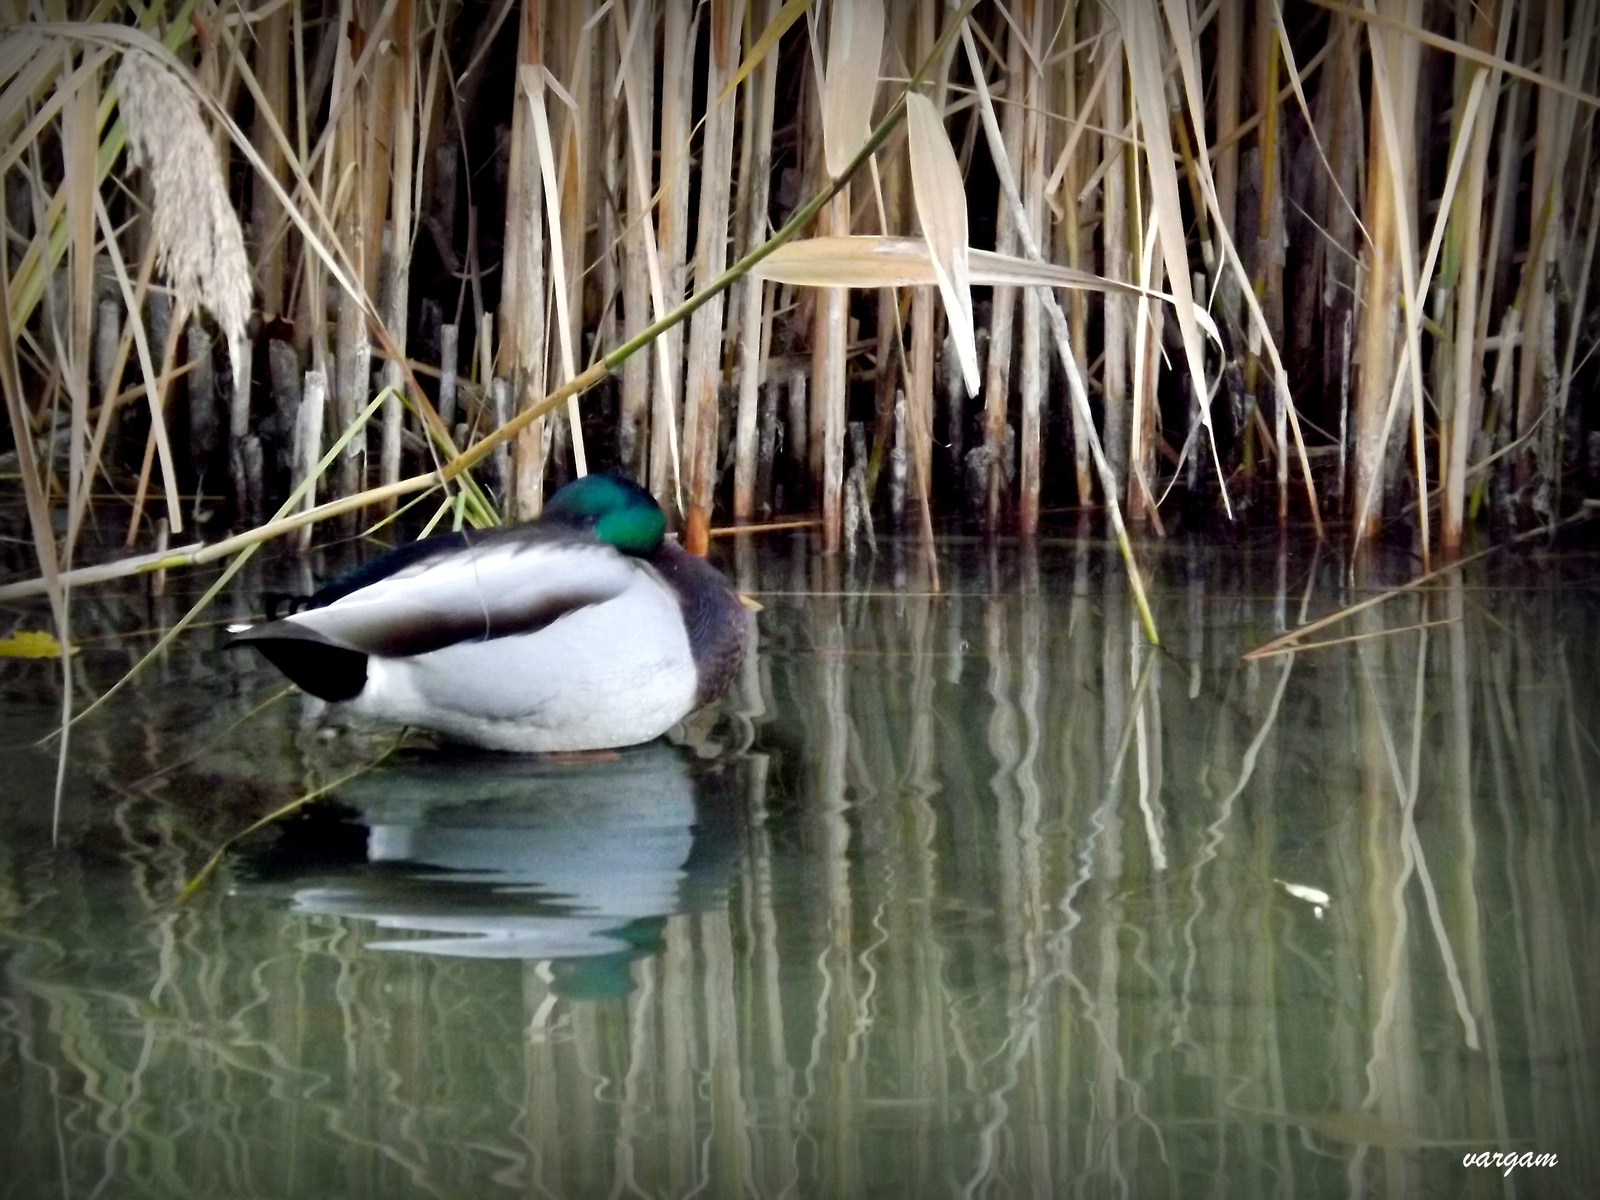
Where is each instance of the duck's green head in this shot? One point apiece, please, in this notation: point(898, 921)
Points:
point(618, 511)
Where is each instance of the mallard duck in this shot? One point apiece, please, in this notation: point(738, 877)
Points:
point(586, 629)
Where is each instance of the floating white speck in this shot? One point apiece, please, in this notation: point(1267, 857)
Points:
point(238, 627)
point(1316, 897)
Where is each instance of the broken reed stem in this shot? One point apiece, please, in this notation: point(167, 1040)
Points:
point(1354, 637)
point(1284, 642)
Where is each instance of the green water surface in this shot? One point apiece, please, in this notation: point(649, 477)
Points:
point(956, 893)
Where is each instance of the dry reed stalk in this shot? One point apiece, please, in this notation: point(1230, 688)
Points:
point(850, 79)
point(662, 447)
point(401, 101)
point(1268, 281)
point(1032, 367)
point(760, 113)
point(266, 216)
point(79, 143)
point(1396, 102)
point(522, 296)
point(1461, 408)
point(1394, 64)
point(1340, 132)
point(1500, 244)
point(1582, 69)
point(672, 231)
point(828, 386)
point(812, 166)
point(39, 524)
point(1074, 156)
point(572, 47)
point(564, 230)
point(704, 386)
point(1145, 409)
point(915, 20)
point(1114, 265)
point(313, 297)
point(636, 39)
point(1536, 364)
point(1375, 336)
point(1229, 79)
point(607, 186)
point(344, 195)
point(313, 405)
point(1003, 302)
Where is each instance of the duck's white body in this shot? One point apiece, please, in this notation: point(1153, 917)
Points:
point(527, 639)
point(614, 672)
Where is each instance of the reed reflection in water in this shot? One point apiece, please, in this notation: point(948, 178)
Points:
point(960, 894)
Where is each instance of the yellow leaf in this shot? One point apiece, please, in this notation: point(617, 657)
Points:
point(787, 16)
point(31, 643)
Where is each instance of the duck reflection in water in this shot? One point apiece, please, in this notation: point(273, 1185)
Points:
point(579, 863)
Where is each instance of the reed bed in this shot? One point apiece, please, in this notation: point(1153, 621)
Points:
point(1304, 261)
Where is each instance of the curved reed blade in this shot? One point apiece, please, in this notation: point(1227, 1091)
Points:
point(873, 261)
point(532, 84)
point(941, 200)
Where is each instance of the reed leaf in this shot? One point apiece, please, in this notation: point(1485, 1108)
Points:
point(941, 201)
point(873, 261)
point(1147, 75)
point(532, 80)
point(855, 47)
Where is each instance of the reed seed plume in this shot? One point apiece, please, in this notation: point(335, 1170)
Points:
point(199, 244)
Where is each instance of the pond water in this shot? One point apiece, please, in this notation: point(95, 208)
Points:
point(970, 893)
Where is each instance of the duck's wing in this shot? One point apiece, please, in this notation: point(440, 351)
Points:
point(501, 587)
